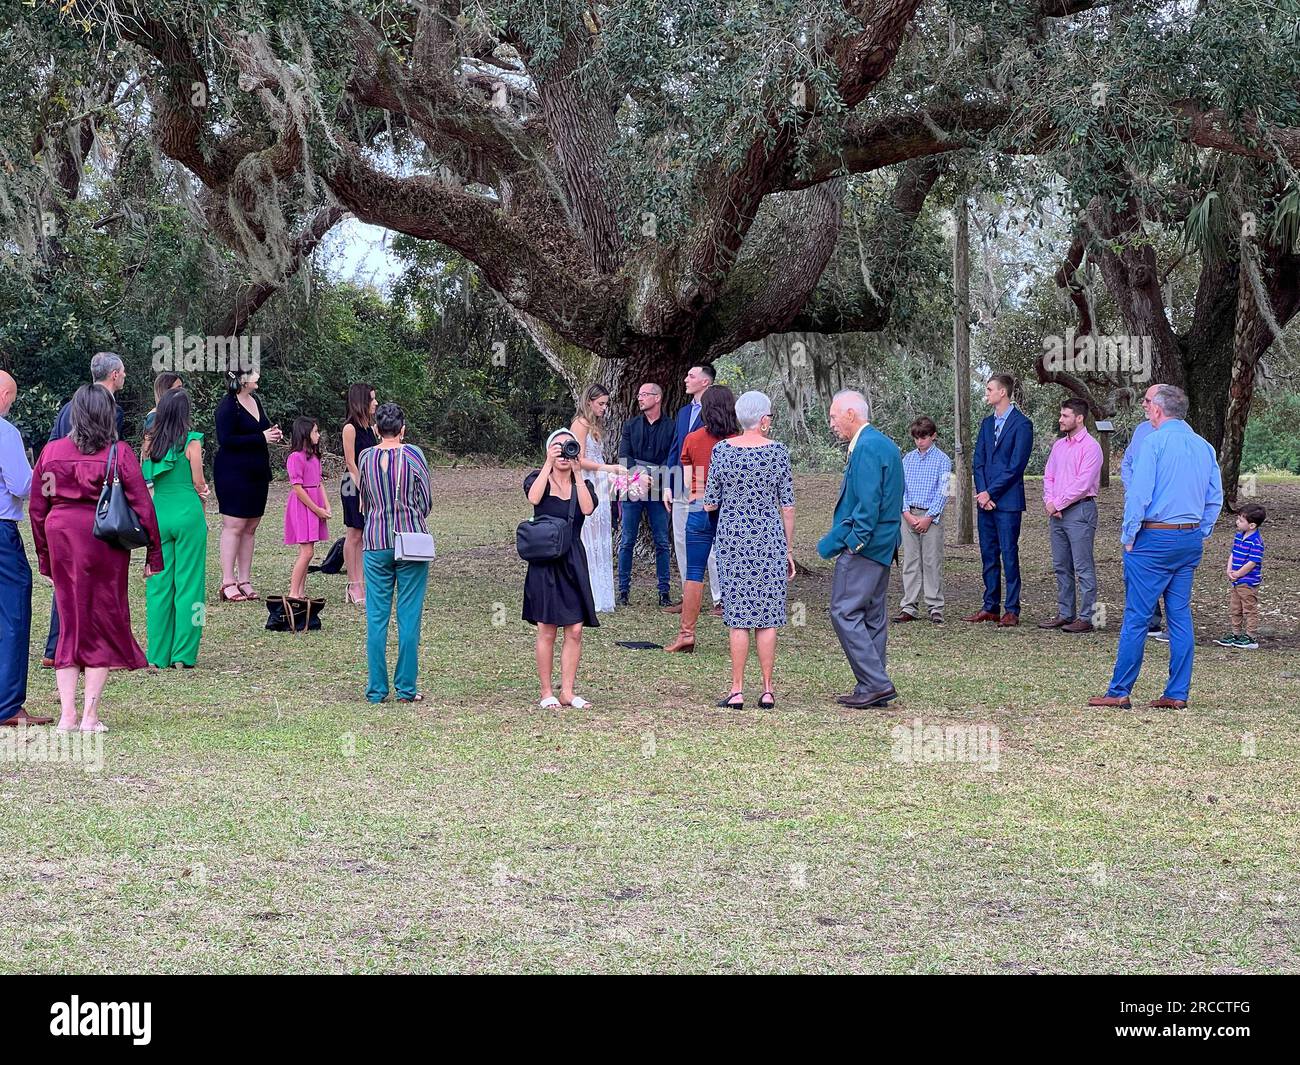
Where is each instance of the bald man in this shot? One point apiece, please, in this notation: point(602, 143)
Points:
point(862, 542)
point(15, 573)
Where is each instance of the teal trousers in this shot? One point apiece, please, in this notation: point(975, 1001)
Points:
point(405, 582)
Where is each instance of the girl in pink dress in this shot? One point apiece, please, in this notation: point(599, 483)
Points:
point(308, 510)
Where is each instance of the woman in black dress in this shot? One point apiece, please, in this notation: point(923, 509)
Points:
point(358, 434)
point(557, 595)
point(241, 472)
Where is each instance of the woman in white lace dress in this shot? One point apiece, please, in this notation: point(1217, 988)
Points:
point(597, 533)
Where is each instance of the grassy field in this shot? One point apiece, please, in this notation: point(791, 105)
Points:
point(256, 815)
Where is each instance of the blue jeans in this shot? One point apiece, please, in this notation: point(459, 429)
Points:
point(655, 510)
point(1000, 541)
point(701, 527)
point(384, 574)
point(1162, 563)
point(15, 619)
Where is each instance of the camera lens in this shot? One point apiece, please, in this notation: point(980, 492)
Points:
point(570, 449)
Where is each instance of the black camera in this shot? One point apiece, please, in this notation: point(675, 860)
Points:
point(570, 449)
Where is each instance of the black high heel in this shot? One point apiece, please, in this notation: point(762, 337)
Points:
point(764, 703)
point(727, 704)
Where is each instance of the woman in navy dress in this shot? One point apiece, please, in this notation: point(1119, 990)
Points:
point(751, 486)
point(241, 472)
point(557, 594)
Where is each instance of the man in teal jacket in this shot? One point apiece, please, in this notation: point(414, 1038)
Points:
point(862, 542)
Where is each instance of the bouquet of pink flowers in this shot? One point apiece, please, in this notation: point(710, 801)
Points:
point(634, 486)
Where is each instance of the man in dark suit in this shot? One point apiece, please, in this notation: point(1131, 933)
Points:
point(109, 372)
point(1002, 450)
point(677, 491)
point(862, 541)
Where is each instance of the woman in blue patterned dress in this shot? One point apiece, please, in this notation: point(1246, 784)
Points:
point(751, 486)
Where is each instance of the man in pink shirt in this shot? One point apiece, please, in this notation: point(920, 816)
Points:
point(1070, 484)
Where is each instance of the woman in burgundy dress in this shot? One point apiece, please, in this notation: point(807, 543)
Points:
point(89, 575)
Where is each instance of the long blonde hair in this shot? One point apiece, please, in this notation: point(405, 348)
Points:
point(595, 423)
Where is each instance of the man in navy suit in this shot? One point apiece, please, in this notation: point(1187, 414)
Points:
point(1002, 449)
point(677, 493)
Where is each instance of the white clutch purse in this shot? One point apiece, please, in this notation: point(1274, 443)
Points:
point(413, 547)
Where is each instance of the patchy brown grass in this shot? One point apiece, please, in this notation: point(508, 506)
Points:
point(255, 815)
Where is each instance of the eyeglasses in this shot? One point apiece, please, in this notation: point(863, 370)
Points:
point(642, 395)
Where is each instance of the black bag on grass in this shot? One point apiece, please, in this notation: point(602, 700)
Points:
point(284, 613)
point(333, 560)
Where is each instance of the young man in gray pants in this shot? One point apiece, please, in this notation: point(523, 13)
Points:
point(1071, 481)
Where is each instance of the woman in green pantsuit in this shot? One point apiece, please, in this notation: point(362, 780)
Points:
point(174, 597)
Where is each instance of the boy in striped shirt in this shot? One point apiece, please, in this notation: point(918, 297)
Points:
point(1245, 571)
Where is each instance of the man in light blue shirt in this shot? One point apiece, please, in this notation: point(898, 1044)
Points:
point(927, 473)
point(1141, 433)
point(15, 572)
point(1172, 501)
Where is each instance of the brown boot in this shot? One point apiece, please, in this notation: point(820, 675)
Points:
point(692, 593)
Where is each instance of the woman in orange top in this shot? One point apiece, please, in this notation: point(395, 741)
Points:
point(718, 418)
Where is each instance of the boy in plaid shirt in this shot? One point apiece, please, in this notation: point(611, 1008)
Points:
point(1245, 571)
point(927, 473)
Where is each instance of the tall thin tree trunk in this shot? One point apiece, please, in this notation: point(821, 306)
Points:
point(1245, 359)
point(962, 470)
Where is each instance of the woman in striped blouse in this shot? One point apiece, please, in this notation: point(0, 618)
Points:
point(396, 496)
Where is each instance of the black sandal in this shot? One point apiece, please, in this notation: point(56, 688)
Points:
point(727, 704)
point(765, 703)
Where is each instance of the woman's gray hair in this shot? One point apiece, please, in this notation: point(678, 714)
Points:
point(1172, 400)
point(752, 408)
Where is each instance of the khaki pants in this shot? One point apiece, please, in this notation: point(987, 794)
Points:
point(1245, 609)
point(922, 566)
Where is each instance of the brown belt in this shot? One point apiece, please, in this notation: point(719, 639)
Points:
point(1167, 525)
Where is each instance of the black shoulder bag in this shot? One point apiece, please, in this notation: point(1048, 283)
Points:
point(545, 538)
point(115, 522)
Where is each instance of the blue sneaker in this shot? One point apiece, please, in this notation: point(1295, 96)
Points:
point(1160, 635)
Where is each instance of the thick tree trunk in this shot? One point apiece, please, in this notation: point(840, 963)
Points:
point(1207, 349)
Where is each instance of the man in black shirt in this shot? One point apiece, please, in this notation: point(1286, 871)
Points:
point(647, 443)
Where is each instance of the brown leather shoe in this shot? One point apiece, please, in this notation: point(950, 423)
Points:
point(1055, 623)
point(937, 618)
point(982, 615)
point(47, 663)
point(902, 616)
point(1077, 625)
point(1009, 619)
point(1166, 703)
point(24, 718)
point(1116, 701)
point(676, 608)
